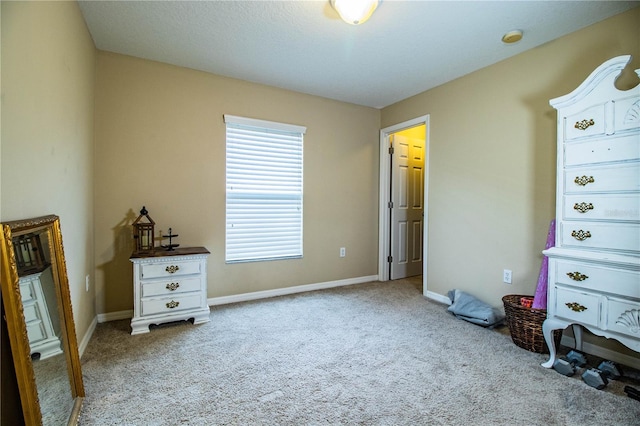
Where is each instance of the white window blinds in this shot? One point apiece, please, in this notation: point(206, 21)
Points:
point(264, 190)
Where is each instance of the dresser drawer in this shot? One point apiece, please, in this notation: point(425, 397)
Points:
point(26, 291)
point(167, 305)
point(166, 287)
point(602, 207)
point(589, 122)
point(36, 331)
point(621, 177)
point(605, 236)
point(31, 312)
point(604, 150)
point(589, 277)
point(623, 316)
point(573, 305)
point(627, 111)
point(169, 269)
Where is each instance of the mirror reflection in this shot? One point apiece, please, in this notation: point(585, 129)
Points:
point(44, 328)
point(39, 319)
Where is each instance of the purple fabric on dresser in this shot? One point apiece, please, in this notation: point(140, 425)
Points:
point(540, 298)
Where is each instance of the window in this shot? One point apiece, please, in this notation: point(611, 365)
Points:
point(264, 190)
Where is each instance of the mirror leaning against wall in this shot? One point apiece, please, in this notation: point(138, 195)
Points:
point(39, 317)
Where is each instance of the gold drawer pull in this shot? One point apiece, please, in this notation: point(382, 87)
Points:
point(584, 124)
point(173, 286)
point(584, 180)
point(172, 304)
point(581, 235)
point(172, 269)
point(583, 207)
point(577, 276)
point(576, 307)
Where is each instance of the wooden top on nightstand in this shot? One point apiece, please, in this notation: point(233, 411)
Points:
point(180, 251)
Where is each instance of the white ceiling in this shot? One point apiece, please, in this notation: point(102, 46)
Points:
point(406, 47)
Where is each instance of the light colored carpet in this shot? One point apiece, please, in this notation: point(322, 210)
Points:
point(54, 390)
point(369, 354)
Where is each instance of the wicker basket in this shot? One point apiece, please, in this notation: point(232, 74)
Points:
point(525, 325)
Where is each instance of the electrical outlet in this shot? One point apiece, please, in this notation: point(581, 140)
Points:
point(343, 252)
point(86, 282)
point(506, 276)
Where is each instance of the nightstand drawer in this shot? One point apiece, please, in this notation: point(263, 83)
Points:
point(168, 305)
point(167, 287)
point(609, 280)
point(577, 306)
point(617, 207)
point(604, 236)
point(169, 269)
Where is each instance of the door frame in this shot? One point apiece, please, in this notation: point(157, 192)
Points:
point(385, 197)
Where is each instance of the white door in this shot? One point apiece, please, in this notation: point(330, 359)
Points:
point(407, 203)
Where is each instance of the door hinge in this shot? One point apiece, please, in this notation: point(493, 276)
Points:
point(391, 150)
point(390, 259)
point(390, 204)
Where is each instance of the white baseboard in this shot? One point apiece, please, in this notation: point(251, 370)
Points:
point(223, 300)
point(114, 316)
point(438, 297)
point(82, 345)
point(245, 297)
point(601, 352)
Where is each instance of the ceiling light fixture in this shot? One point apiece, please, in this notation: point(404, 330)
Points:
point(355, 12)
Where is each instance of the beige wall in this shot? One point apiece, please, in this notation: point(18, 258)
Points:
point(48, 72)
point(492, 158)
point(160, 142)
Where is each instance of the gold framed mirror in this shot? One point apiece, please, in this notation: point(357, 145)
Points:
point(39, 319)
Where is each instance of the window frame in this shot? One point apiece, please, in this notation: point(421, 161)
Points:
point(272, 139)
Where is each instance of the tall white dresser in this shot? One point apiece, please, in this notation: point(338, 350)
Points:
point(43, 335)
point(594, 268)
point(169, 286)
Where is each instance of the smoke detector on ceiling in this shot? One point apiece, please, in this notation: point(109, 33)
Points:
point(511, 37)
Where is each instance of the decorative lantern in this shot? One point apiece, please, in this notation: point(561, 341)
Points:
point(143, 232)
point(29, 254)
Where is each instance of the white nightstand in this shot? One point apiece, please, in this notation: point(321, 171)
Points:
point(169, 286)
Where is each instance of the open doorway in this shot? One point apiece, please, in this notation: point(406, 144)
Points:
point(403, 200)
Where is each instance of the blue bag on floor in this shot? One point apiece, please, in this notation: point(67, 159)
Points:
point(469, 308)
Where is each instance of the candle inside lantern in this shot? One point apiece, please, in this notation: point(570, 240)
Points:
point(26, 254)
